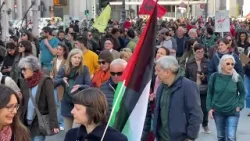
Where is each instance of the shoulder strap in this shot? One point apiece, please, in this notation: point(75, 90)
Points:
point(214, 80)
point(216, 54)
point(38, 92)
point(215, 76)
point(37, 95)
point(3, 79)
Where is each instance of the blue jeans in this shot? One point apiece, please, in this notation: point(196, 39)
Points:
point(38, 138)
point(58, 105)
point(226, 126)
point(247, 88)
point(59, 115)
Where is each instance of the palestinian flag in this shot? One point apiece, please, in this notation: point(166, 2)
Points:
point(132, 94)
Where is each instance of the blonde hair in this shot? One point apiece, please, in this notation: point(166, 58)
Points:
point(126, 53)
point(235, 75)
point(68, 65)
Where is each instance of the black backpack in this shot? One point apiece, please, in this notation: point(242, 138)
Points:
point(3, 80)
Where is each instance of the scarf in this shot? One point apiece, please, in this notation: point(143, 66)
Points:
point(35, 79)
point(100, 77)
point(5, 134)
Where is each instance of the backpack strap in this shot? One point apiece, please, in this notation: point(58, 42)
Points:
point(39, 88)
point(3, 79)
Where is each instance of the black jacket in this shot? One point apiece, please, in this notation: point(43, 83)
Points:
point(109, 90)
point(191, 70)
point(8, 62)
point(80, 134)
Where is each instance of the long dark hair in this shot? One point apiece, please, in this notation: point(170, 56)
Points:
point(233, 45)
point(29, 35)
point(239, 39)
point(65, 50)
point(20, 132)
point(190, 43)
point(28, 47)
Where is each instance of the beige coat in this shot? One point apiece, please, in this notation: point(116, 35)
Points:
point(60, 89)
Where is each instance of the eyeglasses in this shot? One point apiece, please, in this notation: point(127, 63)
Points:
point(199, 51)
point(101, 62)
point(21, 45)
point(116, 73)
point(12, 107)
point(232, 64)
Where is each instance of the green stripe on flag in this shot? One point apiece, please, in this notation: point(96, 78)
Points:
point(117, 102)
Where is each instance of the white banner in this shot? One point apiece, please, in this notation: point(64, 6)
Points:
point(222, 21)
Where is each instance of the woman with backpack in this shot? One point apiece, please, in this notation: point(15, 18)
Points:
point(225, 98)
point(73, 77)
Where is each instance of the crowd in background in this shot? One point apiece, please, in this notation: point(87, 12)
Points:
point(47, 75)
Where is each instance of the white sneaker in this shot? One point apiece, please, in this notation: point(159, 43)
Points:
point(61, 128)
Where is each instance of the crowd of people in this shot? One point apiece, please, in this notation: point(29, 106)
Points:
point(67, 81)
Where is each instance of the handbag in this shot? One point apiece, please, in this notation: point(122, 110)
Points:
point(43, 120)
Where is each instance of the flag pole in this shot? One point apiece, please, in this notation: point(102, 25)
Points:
point(112, 112)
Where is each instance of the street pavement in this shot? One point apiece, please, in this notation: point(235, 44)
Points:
point(243, 133)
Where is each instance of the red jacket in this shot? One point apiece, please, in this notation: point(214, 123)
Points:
point(232, 30)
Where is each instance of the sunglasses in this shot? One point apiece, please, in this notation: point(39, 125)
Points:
point(101, 62)
point(232, 64)
point(116, 73)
